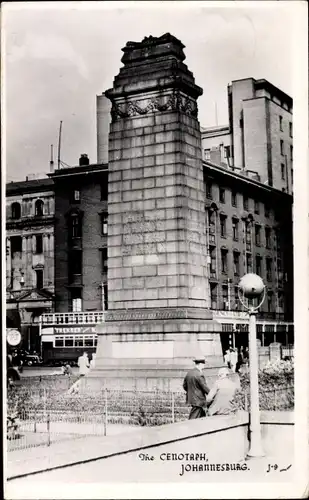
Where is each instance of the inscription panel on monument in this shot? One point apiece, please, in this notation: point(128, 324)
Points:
point(140, 234)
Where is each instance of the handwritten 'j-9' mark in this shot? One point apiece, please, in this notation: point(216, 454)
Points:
point(276, 467)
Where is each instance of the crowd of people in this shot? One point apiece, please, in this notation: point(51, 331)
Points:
point(235, 358)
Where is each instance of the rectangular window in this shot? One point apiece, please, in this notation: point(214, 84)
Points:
point(75, 263)
point(256, 207)
point(291, 153)
point(104, 191)
point(270, 301)
point(76, 300)
point(75, 226)
point(281, 147)
point(248, 236)
point(104, 265)
point(59, 341)
point(277, 236)
point(235, 225)
point(213, 261)
point(104, 218)
point(234, 199)
point(268, 237)
point(280, 300)
point(258, 265)
point(39, 243)
point(236, 263)
point(222, 195)
point(79, 342)
point(266, 210)
point(212, 222)
point(249, 262)
point(207, 154)
point(246, 203)
point(225, 297)
point(39, 279)
point(268, 269)
point(209, 190)
point(223, 261)
point(213, 296)
point(291, 129)
point(257, 235)
point(223, 226)
point(292, 175)
point(89, 341)
point(75, 196)
point(16, 244)
point(281, 123)
point(69, 341)
point(283, 171)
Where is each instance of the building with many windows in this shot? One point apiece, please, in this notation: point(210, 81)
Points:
point(249, 229)
point(258, 141)
point(30, 221)
point(80, 237)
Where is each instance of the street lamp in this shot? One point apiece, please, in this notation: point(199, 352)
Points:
point(251, 287)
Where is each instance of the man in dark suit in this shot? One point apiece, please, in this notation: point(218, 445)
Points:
point(196, 388)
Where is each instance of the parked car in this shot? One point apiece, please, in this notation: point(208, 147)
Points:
point(31, 360)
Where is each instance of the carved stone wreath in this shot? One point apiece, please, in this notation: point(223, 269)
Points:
point(176, 102)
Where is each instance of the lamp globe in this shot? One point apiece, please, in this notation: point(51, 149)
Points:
point(251, 285)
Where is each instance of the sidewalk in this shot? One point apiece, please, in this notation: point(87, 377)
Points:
point(118, 457)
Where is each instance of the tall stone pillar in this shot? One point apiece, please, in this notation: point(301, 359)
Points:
point(158, 289)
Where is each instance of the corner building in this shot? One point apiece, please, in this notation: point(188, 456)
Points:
point(30, 286)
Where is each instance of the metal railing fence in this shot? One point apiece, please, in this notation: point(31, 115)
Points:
point(45, 416)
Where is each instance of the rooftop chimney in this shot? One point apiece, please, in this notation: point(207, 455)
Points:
point(51, 163)
point(84, 160)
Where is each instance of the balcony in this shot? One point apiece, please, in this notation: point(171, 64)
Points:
point(73, 318)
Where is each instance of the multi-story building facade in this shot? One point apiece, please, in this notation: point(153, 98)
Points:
point(249, 229)
point(259, 137)
point(80, 237)
point(29, 256)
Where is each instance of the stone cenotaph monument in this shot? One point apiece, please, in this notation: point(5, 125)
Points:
point(158, 314)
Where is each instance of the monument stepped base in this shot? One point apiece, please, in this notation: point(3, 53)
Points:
point(146, 375)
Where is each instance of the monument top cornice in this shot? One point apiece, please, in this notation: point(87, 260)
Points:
point(154, 64)
point(149, 47)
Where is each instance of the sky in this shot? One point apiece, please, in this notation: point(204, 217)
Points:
point(58, 56)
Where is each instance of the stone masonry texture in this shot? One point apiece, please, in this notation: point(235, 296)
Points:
point(157, 233)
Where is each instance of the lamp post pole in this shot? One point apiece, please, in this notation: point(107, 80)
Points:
point(251, 287)
point(255, 449)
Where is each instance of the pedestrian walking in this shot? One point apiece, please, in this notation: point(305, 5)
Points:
point(239, 360)
point(233, 359)
point(227, 358)
point(220, 397)
point(83, 364)
point(196, 389)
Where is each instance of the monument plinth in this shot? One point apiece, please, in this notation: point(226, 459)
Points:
point(158, 289)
